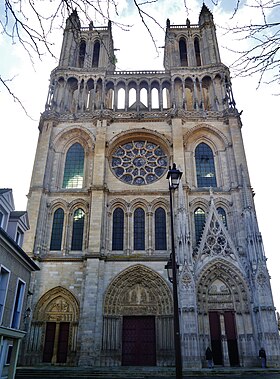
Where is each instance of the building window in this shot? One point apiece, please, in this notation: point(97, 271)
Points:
point(199, 221)
point(139, 229)
point(4, 281)
point(139, 162)
point(205, 167)
point(118, 229)
point(95, 56)
point(160, 229)
point(19, 237)
point(183, 52)
point(57, 229)
point(74, 167)
point(18, 304)
point(78, 230)
point(197, 51)
point(82, 53)
point(222, 215)
point(9, 354)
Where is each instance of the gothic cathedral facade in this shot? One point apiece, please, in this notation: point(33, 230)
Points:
point(100, 215)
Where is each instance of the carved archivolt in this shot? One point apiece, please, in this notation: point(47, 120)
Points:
point(221, 287)
point(203, 131)
point(72, 134)
point(138, 291)
point(58, 304)
point(142, 133)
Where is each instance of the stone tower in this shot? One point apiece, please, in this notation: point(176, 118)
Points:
point(100, 220)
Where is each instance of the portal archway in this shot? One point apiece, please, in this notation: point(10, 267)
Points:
point(223, 311)
point(54, 328)
point(138, 319)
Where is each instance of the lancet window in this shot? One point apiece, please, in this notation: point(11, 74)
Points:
point(222, 214)
point(183, 52)
point(74, 167)
point(82, 53)
point(197, 51)
point(118, 229)
point(205, 166)
point(57, 229)
point(78, 229)
point(199, 221)
point(139, 229)
point(96, 52)
point(160, 229)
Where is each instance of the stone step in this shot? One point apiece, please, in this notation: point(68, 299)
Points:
point(90, 373)
point(135, 372)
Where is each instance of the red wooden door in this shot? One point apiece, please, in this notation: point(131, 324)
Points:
point(62, 345)
point(231, 338)
point(216, 342)
point(49, 342)
point(138, 341)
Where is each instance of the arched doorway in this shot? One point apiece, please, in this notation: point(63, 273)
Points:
point(223, 312)
point(137, 324)
point(54, 327)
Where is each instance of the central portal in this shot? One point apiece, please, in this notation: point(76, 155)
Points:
point(138, 341)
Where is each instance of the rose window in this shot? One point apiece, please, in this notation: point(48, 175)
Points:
point(139, 162)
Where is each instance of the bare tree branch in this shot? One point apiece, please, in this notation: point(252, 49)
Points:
point(16, 99)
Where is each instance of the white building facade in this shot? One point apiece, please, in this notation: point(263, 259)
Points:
point(100, 215)
point(15, 275)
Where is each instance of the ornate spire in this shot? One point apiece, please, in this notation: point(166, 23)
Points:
point(183, 230)
point(205, 15)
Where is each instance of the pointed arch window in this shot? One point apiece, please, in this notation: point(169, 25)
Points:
point(199, 221)
point(139, 229)
point(222, 214)
point(197, 51)
point(118, 229)
point(96, 52)
point(74, 167)
point(183, 52)
point(160, 229)
point(205, 167)
point(57, 229)
point(78, 230)
point(82, 53)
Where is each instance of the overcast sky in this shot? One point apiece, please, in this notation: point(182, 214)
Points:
point(260, 107)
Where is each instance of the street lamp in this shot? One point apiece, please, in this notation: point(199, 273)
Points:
point(174, 175)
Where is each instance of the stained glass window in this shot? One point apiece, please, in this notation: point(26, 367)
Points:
point(139, 162)
point(118, 225)
point(57, 229)
point(78, 230)
point(205, 167)
point(139, 229)
point(222, 214)
point(160, 229)
point(74, 167)
point(199, 221)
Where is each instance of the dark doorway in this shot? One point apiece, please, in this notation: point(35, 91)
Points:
point(231, 338)
point(139, 341)
point(62, 346)
point(62, 342)
point(216, 342)
point(49, 342)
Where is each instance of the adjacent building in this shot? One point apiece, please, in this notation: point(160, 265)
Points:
point(100, 215)
point(15, 275)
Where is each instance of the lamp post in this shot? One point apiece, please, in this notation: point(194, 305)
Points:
point(174, 176)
